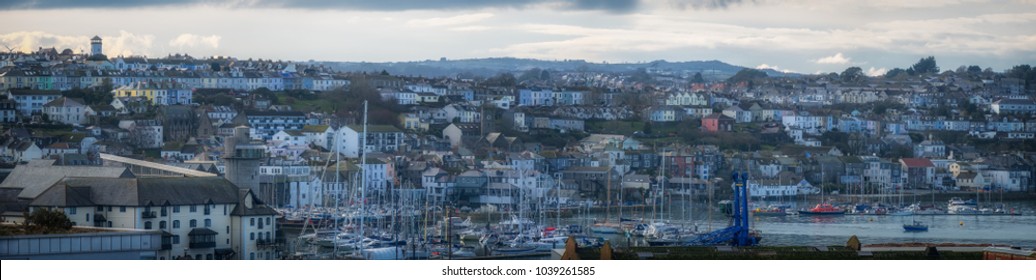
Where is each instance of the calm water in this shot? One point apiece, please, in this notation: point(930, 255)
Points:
point(870, 229)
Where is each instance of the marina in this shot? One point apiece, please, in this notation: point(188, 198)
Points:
point(410, 233)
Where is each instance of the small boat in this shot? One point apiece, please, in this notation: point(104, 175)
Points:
point(606, 228)
point(770, 211)
point(823, 209)
point(915, 227)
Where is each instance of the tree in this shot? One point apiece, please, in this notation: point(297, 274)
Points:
point(747, 75)
point(502, 80)
point(926, 65)
point(45, 220)
point(852, 75)
point(697, 78)
point(1025, 73)
point(647, 128)
point(895, 72)
point(974, 69)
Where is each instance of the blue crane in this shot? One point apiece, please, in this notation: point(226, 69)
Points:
point(738, 233)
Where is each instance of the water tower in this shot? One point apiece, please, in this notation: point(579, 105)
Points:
point(241, 158)
point(95, 46)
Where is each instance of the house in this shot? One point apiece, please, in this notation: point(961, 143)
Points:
point(1013, 106)
point(687, 99)
point(662, 113)
point(462, 113)
point(566, 124)
point(462, 134)
point(264, 124)
point(738, 114)
point(930, 148)
point(158, 93)
point(535, 97)
point(291, 138)
point(68, 111)
point(717, 122)
point(499, 141)
point(31, 101)
point(918, 173)
point(379, 138)
point(145, 134)
point(319, 135)
point(598, 142)
point(413, 122)
point(204, 218)
point(971, 181)
point(60, 148)
point(8, 111)
point(23, 150)
point(697, 111)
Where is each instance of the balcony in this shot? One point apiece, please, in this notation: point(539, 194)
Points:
point(202, 238)
point(150, 215)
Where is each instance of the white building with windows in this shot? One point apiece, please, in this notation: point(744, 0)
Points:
point(68, 111)
point(201, 218)
point(380, 138)
point(31, 101)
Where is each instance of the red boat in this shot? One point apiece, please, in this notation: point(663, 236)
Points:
point(823, 209)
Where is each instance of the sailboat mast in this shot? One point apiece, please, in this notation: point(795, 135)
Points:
point(557, 202)
point(338, 162)
point(363, 178)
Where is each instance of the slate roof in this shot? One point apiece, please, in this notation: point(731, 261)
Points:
point(257, 209)
point(138, 192)
point(34, 178)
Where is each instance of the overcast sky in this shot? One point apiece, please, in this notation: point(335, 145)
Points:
point(790, 35)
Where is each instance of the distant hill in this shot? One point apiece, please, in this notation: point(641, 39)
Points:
point(485, 67)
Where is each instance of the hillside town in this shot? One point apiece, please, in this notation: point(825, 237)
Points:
point(259, 145)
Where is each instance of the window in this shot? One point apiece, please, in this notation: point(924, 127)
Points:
point(208, 222)
point(147, 225)
point(122, 209)
point(267, 235)
point(87, 215)
point(251, 236)
point(100, 208)
point(251, 221)
point(176, 209)
point(224, 209)
point(161, 225)
point(194, 208)
point(176, 223)
point(228, 229)
point(176, 239)
point(208, 209)
point(164, 211)
point(194, 223)
point(72, 210)
point(268, 221)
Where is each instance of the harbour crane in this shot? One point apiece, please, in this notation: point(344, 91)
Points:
point(738, 234)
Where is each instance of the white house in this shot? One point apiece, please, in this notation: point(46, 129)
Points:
point(380, 138)
point(67, 111)
point(319, 135)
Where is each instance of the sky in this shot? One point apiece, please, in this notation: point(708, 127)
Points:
point(802, 36)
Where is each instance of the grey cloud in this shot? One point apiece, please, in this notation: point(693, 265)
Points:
point(615, 6)
point(707, 4)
